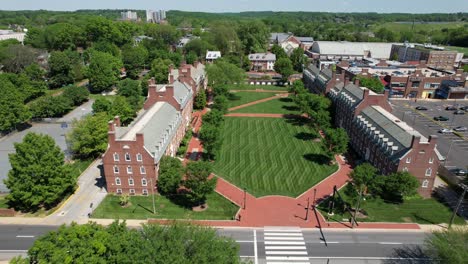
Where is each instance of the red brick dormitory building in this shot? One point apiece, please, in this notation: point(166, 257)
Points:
point(375, 134)
point(131, 160)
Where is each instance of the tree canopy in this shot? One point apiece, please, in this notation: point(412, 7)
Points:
point(103, 71)
point(198, 182)
point(224, 73)
point(448, 246)
point(88, 137)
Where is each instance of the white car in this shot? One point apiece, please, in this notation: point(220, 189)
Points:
point(460, 129)
point(445, 131)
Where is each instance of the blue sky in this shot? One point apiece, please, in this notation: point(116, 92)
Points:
point(381, 6)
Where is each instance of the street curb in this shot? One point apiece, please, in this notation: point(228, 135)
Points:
point(66, 201)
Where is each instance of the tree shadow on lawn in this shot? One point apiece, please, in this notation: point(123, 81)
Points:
point(317, 158)
point(306, 136)
point(286, 99)
point(144, 208)
point(290, 107)
point(408, 255)
point(233, 97)
point(296, 120)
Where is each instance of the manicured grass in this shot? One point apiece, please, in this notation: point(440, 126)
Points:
point(270, 156)
point(3, 203)
point(414, 210)
point(255, 87)
point(78, 166)
point(275, 106)
point(142, 208)
point(240, 98)
point(459, 49)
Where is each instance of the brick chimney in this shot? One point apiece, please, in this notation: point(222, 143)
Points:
point(171, 78)
point(365, 93)
point(195, 64)
point(117, 121)
point(357, 82)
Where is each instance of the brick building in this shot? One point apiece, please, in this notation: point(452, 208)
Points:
point(262, 61)
point(131, 160)
point(435, 57)
point(376, 135)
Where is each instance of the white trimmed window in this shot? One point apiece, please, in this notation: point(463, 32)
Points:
point(429, 172)
point(131, 182)
point(425, 183)
point(117, 181)
point(139, 157)
point(142, 170)
point(129, 170)
point(431, 160)
point(116, 157)
point(408, 160)
point(132, 191)
point(119, 191)
point(127, 157)
point(144, 192)
point(144, 182)
point(116, 169)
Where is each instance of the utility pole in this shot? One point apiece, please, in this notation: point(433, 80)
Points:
point(448, 152)
point(460, 200)
point(245, 196)
point(307, 209)
point(315, 201)
point(353, 220)
point(152, 188)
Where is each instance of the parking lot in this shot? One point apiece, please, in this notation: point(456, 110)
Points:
point(451, 146)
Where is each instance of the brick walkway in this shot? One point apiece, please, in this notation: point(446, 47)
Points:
point(254, 115)
point(258, 101)
point(259, 91)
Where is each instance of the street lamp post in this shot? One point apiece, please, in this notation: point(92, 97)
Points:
point(152, 191)
point(448, 152)
point(314, 201)
point(460, 200)
point(245, 197)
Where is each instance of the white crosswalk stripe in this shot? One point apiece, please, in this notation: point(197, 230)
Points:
point(285, 245)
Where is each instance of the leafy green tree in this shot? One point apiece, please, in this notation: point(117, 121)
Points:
point(198, 182)
point(61, 72)
point(363, 175)
point(36, 38)
point(213, 117)
point(50, 106)
point(28, 89)
point(13, 112)
point(35, 72)
point(200, 100)
point(163, 35)
point(77, 94)
point(101, 104)
point(298, 87)
point(336, 141)
point(210, 136)
point(372, 83)
point(199, 47)
point(160, 70)
point(278, 51)
point(124, 199)
point(221, 103)
point(224, 38)
point(447, 246)
point(122, 108)
point(396, 186)
point(103, 71)
point(224, 73)
point(62, 36)
point(17, 57)
point(298, 59)
point(170, 175)
point(130, 89)
point(88, 138)
point(134, 59)
point(102, 29)
point(191, 57)
point(254, 36)
point(284, 67)
point(38, 177)
point(107, 47)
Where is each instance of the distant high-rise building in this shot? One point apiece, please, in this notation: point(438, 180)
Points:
point(155, 16)
point(129, 15)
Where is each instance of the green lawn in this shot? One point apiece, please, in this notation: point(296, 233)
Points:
point(255, 87)
point(275, 106)
point(240, 98)
point(78, 166)
point(142, 208)
point(270, 156)
point(414, 210)
point(459, 49)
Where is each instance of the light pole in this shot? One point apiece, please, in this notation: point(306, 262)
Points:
point(152, 190)
point(315, 202)
point(460, 200)
point(353, 221)
point(450, 148)
point(245, 197)
point(307, 209)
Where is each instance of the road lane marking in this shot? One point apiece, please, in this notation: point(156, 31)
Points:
point(327, 242)
point(288, 262)
point(255, 247)
point(390, 243)
point(245, 241)
point(285, 247)
point(284, 238)
point(282, 234)
point(24, 236)
point(286, 258)
point(285, 252)
point(13, 251)
point(284, 243)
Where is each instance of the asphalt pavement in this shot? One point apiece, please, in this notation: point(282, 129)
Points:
point(278, 244)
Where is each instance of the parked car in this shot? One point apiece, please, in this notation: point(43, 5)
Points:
point(441, 118)
point(460, 129)
point(459, 112)
point(464, 108)
point(450, 108)
point(445, 131)
point(459, 172)
point(421, 108)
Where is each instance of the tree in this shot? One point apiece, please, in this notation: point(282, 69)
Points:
point(17, 57)
point(363, 176)
point(88, 138)
point(103, 71)
point(200, 100)
point(254, 36)
point(336, 141)
point(38, 177)
point(98, 28)
point(198, 46)
point(62, 36)
point(101, 104)
point(34, 72)
point(224, 37)
point(77, 94)
point(278, 51)
point(221, 104)
point(224, 73)
point(198, 182)
point(93, 243)
point(191, 57)
point(372, 83)
point(13, 112)
point(298, 88)
point(298, 59)
point(61, 72)
point(160, 70)
point(124, 199)
point(213, 117)
point(395, 186)
point(210, 137)
point(131, 90)
point(170, 175)
point(134, 59)
point(121, 107)
point(284, 67)
point(50, 106)
point(448, 246)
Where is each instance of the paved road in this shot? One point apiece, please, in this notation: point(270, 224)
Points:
point(53, 128)
point(424, 123)
point(277, 245)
